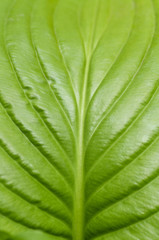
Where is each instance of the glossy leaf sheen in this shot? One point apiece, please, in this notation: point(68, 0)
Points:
point(79, 119)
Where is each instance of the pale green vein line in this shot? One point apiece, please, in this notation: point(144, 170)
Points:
point(128, 225)
point(51, 165)
point(42, 184)
point(155, 91)
point(58, 102)
point(118, 173)
point(126, 88)
point(102, 34)
point(138, 118)
point(154, 211)
point(38, 115)
point(21, 196)
point(36, 180)
point(22, 220)
point(78, 218)
point(100, 187)
point(20, 223)
point(64, 62)
point(133, 193)
point(32, 144)
point(110, 68)
point(46, 79)
point(99, 39)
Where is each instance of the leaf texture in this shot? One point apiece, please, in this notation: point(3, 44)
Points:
point(79, 119)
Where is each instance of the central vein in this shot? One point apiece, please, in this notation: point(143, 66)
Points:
point(78, 221)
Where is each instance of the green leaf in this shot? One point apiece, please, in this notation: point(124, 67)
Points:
point(79, 119)
point(34, 235)
point(4, 236)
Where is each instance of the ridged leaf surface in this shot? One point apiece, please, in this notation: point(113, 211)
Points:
point(79, 119)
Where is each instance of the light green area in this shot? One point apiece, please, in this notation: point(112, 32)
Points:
point(79, 120)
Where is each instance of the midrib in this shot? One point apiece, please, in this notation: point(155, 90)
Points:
point(78, 219)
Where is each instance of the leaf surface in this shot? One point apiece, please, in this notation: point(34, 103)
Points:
point(79, 119)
